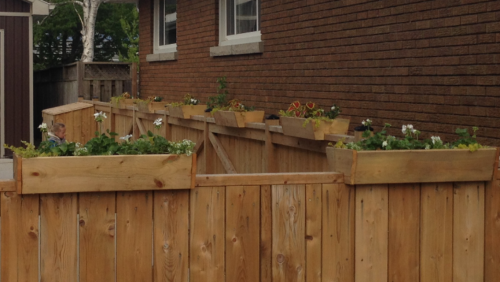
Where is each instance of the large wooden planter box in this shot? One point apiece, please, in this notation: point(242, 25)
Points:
point(295, 127)
point(237, 119)
point(412, 166)
point(104, 173)
point(123, 104)
point(187, 111)
point(151, 107)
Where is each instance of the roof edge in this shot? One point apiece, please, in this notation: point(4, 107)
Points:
point(40, 7)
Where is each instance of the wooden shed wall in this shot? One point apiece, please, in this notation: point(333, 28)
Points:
point(17, 74)
point(16, 6)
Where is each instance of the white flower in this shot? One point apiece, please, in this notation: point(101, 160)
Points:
point(427, 147)
point(410, 126)
point(100, 116)
point(43, 126)
point(403, 129)
point(368, 121)
point(126, 137)
point(158, 122)
point(242, 106)
point(333, 108)
point(384, 144)
point(363, 122)
point(435, 139)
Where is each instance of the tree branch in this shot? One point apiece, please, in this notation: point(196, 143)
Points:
point(76, 11)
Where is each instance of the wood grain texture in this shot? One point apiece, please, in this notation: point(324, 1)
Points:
point(58, 237)
point(338, 232)
point(28, 238)
point(468, 232)
point(222, 154)
point(289, 233)
point(436, 232)
point(266, 234)
point(415, 166)
point(313, 220)
point(171, 236)
point(10, 218)
point(106, 173)
point(237, 119)
point(242, 233)
point(134, 216)
point(203, 180)
point(492, 231)
point(186, 112)
point(97, 236)
point(207, 234)
point(293, 126)
point(371, 233)
point(8, 185)
point(404, 239)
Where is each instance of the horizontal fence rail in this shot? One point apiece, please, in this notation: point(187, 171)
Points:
point(256, 227)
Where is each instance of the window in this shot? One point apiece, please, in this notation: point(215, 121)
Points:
point(165, 31)
point(239, 22)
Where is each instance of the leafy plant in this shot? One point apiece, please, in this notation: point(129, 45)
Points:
point(233, 106)
point(187, 100)
point(382, 141)
point(220, 100)
point(310, 111)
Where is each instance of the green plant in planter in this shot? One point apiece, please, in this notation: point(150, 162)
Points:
point(116, 100)
point(233, 106)
point(311, 112)
point(382, 141)
point(187, 100)
point(220, 100)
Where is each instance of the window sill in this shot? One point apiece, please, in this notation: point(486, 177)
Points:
point(172, 56)
point(239, 49)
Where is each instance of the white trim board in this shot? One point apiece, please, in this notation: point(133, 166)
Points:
point(31, 79)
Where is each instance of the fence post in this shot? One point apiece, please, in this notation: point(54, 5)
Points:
point(80, 72)
point(133, 77)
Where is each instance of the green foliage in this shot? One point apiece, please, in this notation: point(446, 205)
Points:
point(187, 100)
point(58, 39)
point(382, 141)
point(220, 100)
point(233, 106)
point(103, 144)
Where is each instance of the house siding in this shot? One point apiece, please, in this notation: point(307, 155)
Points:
point(434, 64)
point(15, 6)
point(17, 79)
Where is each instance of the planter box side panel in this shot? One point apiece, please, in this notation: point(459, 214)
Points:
point(296, 127)
point(340, 126)
point(106, 173)
point(225, 118)
point(424, 166)
point(343, 161)
point(187, 111)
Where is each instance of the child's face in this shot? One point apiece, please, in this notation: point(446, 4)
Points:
point(61, 133)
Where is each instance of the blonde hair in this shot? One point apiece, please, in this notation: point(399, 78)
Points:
point(56, 127)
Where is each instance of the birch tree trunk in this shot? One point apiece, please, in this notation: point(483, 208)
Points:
point(90, 8)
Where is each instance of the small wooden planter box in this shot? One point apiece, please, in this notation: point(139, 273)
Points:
point(151, 107)
point(237, 119)
point(123, 104)
point(186, 112)
point(104, 173)
point(295, 127)
point(412, 166)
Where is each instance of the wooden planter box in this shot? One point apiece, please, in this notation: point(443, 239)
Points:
point(237, 119)
point(123, 104)
point(186, 112)
point(104, 173)
point(151, 107)
point(412, 166)
point(295, 127)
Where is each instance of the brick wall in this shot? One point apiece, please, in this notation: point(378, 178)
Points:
point(434, 64)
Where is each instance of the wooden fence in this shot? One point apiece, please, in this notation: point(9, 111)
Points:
point(256, 228)
point(258, 148)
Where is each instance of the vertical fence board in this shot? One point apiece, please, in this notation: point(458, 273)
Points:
point(96, 90)
point(242, 233)
point(171, 230)
point(371, 233)
point(404, 241)
point(76, 130)
point(338, 232)
point(28, 239)
point(10, 212)
point(97, 237)
point(468, 232)
point(119, 88)
point(288, 233)
point(436, 232)
point(134, 216)
point(86, 90)
point(107, 93)
point(207, 234)
point(58, 237)
point(313, 237)
point(492, 231)
point(266, 234)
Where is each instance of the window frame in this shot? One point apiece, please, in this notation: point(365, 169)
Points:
point(157, 48)
point(242, 38)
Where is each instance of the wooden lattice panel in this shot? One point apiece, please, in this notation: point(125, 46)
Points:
point(107, 71)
